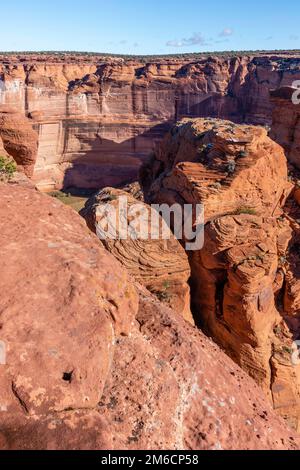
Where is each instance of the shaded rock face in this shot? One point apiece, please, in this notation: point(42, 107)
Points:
point(286, 123)
point(92, 359)
point(18, 139)
point(97, 121)
point(246, 277)
point(161, 265)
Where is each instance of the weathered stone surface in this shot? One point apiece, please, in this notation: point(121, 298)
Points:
point(97, 119)
point(229, 168)
point(59, 294)
point(80, 373)
point(203, 411)
point(246, 277)
point(159, 264)
point(18, 139)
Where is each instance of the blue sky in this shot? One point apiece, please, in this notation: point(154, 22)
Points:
point(152, 27)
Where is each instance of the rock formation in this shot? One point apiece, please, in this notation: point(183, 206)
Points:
point(97, 119)
point(246, 288)
point(92, 359)
point(286, 122)
point(160, 264)
point(18, 139)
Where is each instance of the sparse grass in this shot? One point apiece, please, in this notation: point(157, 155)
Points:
point(216, 185)
point(245, 210)
point(287, 349)
point(8, 168)
point(282, 260)
point(163, 295)
point(111, 197)
point(76, 202)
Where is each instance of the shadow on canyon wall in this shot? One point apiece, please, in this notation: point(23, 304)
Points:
point(214, 106)
point(109, 163)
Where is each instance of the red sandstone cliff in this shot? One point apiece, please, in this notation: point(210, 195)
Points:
point(98, 119)
point(286, 122)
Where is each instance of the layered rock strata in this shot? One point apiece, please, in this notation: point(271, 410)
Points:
point(89, 359)
point(152, 255)
point(286, 122)
point(245, 279)
point(98, 119)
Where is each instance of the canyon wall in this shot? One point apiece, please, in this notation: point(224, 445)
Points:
point(97, 119)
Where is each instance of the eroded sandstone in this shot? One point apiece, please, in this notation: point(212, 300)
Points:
point(245, 279)
point(159, 263)
point(18, 139)
point(92, 358)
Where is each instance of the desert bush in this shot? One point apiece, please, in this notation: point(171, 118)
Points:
point(246, 210)
point(7, 168)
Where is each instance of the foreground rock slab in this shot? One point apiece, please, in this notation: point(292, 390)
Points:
point(92, 358)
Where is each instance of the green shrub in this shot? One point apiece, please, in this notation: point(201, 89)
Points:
point(246, 210)
point(7, 168)
point(164, 295)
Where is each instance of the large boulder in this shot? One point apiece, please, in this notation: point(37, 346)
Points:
point(18, 139)
point(160, 264)
point(229, 168)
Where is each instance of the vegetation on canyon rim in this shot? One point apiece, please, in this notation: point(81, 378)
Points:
point(7, 168)
point(153, 57)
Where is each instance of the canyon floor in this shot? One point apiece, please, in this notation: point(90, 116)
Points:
point(139, 343)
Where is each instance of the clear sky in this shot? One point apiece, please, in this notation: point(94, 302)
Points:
point(149, 27)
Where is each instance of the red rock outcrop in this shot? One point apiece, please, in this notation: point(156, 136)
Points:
point(286, 122)
point(246, 277)
point(18, 139)
point(160, 264)
point(98, 118)
point(91, 359)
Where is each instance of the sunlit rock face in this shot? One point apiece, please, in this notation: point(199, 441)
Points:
point(246, 278)
point(93, 361)
point(98, 120)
